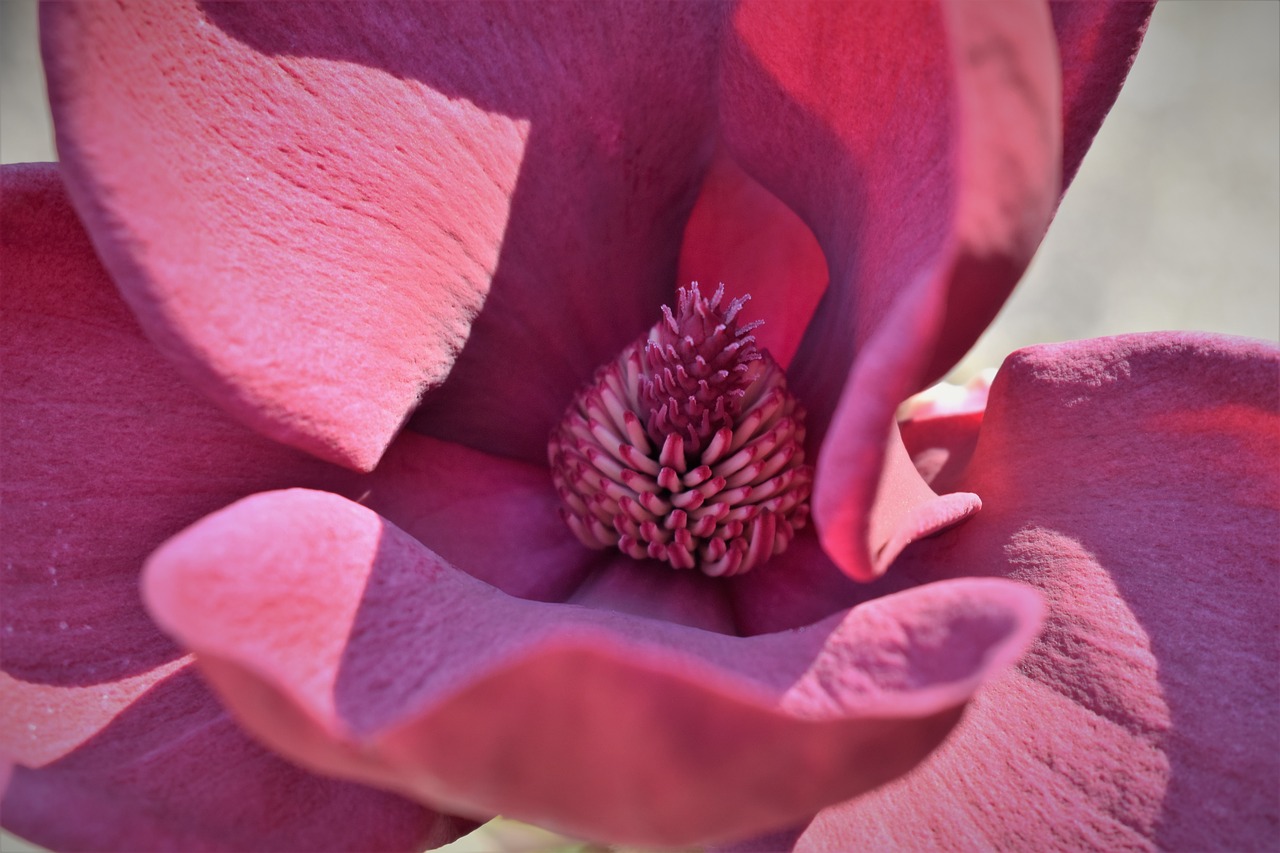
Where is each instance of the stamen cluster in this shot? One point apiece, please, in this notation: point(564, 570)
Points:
point(687, 448)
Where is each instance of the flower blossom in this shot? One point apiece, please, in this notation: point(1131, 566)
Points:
point(314, 286)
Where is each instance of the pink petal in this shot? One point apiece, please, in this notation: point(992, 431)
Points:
point(940, 447)
point(1097, 43)
point(652, 589)
point(927, 144)
point(926, 224)
point(494, 518)
point(308, 205)
point(741, 235)
point(40, 723)
point(621, 103)
point(1133, 480)
point(799, 587)
point(923, 520)
point(173, 772)
point(350, 648)
point(498, 520)
point(940, 425)
point(106, 452)
point(864, 539)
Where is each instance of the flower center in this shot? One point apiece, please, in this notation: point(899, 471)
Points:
point(686, 448)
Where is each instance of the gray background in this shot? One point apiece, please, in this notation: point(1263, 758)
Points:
point(1173, 221)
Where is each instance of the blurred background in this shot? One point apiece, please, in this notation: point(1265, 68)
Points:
point(1172, 223)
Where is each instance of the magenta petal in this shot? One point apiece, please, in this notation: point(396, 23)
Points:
point(923, 520)
point(40, 723)
point(278, 228)
point(926, 225)
point(741, 235)
point(864, 528)
point(620, 101)
point(306, 205)
point(1097, 43)
point(921, 221)
point(495, 519)
point(173, 772)
point(800, 586)
point(652, 589)
point(349, 647)
point(941, 446)
point(1134, 481)
point(106, 452)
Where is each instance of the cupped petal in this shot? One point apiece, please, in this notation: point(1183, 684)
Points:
point(106, 452)
point(742, 236)
point(1097, 43)
point(929, 143)
point(865, 534)
point(798, 587)
point(939, 428)
point(351, 648)
point(926, 224)
point(497, 519)
point(172, 771)
point(325, 196)
point(1133, 481)
point(652, 589)
point(940, 447)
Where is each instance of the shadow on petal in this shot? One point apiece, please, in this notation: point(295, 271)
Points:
point(172, 771)
point(1133, 481)
point(348, 646)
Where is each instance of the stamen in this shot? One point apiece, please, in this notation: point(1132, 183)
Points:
point(688, 447)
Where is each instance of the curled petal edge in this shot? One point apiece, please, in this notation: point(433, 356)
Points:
point(403, 673)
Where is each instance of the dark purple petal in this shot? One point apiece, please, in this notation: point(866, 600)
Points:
point(172, 771)
point(307, 205)
point(345, 644)
point(1097, 43)
point(106, 452)
point(926, 224)
point(1132, 480)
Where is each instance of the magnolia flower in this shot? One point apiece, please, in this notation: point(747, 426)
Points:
point(281, 232)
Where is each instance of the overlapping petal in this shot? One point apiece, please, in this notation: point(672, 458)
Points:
point(353, 649)
point(106, 453)
point(1097, 43)
point(920, 222)
point(1133, 481)
point(156, 778)
point(326, 195)
point(742, 236)
point(337, 207)
point(495, 518)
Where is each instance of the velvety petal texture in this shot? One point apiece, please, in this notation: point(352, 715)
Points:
point(353, 649)
point(742, 236)
point(326, 196)
point(495, 518)
point(1097, 43)
point(334, 217)
point(524, 185)
point(940, 428)
point(106, 453)
point(157, 778)
point(1134, 482)
point(921, 222)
